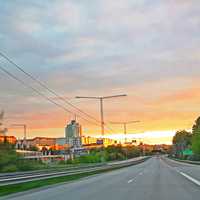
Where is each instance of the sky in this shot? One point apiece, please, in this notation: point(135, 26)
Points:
point(149, 50)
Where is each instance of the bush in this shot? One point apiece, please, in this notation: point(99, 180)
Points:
point(8, 155)
point(196, 144)
point(9, 168)
point(62, 162)
point(69, 161)
point(26, 165)
point(89, 159)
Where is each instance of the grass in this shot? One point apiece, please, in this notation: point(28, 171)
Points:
point(20, 187)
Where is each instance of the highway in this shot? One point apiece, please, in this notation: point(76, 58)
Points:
point(155, 179)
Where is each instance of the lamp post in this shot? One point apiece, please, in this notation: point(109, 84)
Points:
point(125, 126)
point(101, 106)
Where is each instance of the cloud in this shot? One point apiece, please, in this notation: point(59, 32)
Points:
point(182, 96)
point(146, 48)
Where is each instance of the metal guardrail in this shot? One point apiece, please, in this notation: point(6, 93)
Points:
point(18, 174)
point(9, 180)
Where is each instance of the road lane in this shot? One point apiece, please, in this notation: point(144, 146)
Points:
point(153, 179)
point(190, 169)
point(163, 182)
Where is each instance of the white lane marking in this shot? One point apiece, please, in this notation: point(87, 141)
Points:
point(190, 178)
point(130, 181)
point(197, 182)
point(167, 165)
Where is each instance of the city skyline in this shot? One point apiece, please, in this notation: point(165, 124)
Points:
point(149, 51)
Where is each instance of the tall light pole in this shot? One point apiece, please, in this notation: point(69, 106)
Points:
point(101, 106)
point(125, 126)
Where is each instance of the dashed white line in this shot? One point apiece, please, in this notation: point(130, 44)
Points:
point(130, 181)
point(190, 178)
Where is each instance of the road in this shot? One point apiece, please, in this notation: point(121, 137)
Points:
point(155, 179)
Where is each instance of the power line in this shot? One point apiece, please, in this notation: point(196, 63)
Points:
point(44, 96)
point(41, 94)
point(51, 91)
point(46, 87)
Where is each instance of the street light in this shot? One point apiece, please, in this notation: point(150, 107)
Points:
point(125, 126)
point(101, 106)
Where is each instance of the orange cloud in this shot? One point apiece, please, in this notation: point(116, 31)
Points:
point(185, 95)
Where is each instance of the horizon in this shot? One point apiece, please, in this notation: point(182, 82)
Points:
point(147, 137)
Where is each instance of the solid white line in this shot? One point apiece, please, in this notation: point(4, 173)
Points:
point(197, 182)
point(190, 178)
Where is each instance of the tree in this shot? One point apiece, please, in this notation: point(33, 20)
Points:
point(33, 148)
point(182, 136)
point(8, 157)
point(196, 137)
point(181, 141)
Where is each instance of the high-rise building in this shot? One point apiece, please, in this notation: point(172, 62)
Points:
point(73, 134)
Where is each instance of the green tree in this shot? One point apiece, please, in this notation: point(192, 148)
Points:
point(196, 137)
point(181, 141)
point(8, 157)
point(33, 148)
point(182, 136)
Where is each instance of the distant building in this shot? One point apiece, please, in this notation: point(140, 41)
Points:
point(73, 134)
point(96, 142)
point(73, 130)
point(39, 142)
point(88, 140)
point(9, 139)
point(108, 141)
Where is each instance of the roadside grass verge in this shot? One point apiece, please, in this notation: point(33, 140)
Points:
point(21, 187)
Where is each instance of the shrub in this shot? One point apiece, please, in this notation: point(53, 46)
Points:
point(26, 165)
point(9, 168)
point(8, 156)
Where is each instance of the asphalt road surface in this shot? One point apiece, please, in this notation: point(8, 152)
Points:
point(155, 179)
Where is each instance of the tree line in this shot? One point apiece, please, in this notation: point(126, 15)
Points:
point(186, 144)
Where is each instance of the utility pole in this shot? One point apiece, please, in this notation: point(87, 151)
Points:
point(25, 132)
point(101, 107)
point(125, 126)
point(23, 126)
